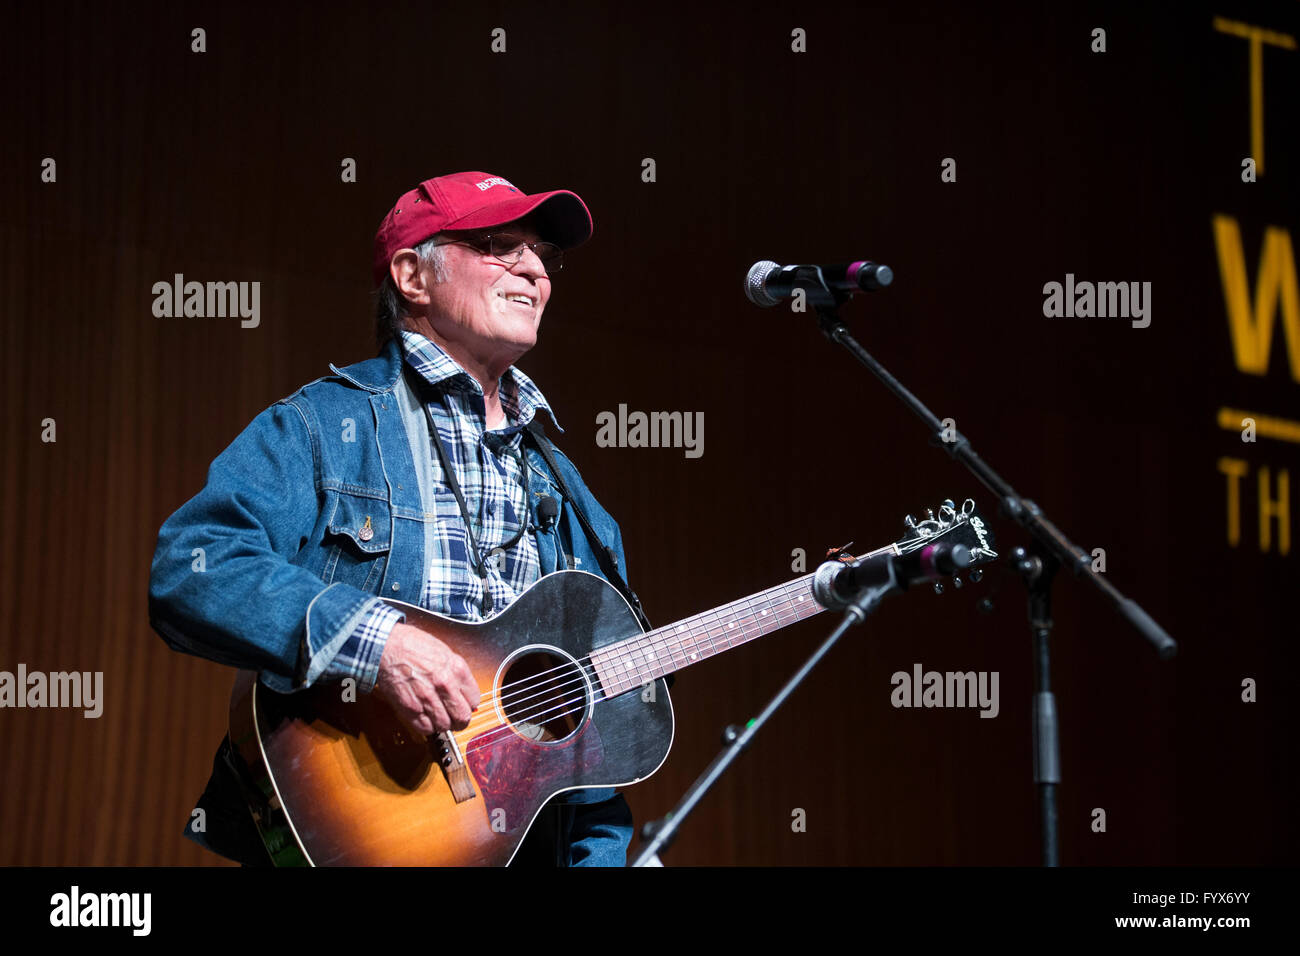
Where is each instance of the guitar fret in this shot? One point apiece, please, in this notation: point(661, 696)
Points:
point(662, 642)
point(755, 603)
point(786, 612)
point(707, 634)
point(744, 624)
point(755, 617)
point(798, 604)
point(723, 629)
point(679, 655)
point(639, 660)
point(731, 631)
point(770, 610)
point(724, 632)
point(699, 636)
point(686, 642)
point(646, 660)
point(728, 627)
point(691, 628)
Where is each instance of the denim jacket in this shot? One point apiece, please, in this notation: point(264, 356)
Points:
point(268, 567)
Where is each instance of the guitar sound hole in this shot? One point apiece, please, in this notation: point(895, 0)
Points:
point(543, 695)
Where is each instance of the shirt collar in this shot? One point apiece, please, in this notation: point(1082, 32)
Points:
point(520, 397)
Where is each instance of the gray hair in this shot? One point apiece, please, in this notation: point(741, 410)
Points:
point(390, 308)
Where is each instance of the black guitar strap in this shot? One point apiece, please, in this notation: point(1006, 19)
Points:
point(605, 556)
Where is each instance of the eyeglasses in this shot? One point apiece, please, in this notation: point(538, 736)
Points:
point(510, 249)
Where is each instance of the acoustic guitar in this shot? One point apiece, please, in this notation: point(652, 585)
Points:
point(576, 698)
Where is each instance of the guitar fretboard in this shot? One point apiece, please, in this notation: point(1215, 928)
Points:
point(638, 660)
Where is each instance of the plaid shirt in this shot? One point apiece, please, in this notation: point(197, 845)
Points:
point(487, 465)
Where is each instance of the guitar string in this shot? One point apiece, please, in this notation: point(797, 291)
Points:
point(782, 600)
point(565, 705)
point(794, 586)
point(484, 736)
point(549, 696)
point(694, 630)
point(661, 639)
point(559, 697)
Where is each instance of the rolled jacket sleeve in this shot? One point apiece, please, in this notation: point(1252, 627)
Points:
point(222, 584)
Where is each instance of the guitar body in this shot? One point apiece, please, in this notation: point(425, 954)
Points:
point(344, 782)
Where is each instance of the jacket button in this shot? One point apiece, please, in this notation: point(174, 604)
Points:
point(396, 586)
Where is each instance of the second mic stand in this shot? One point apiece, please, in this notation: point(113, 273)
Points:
point(1037, 565)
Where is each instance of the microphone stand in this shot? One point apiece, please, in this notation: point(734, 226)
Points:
point(1049, 551)
point(661, 833)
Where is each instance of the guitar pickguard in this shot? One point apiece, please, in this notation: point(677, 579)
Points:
point(501, 761)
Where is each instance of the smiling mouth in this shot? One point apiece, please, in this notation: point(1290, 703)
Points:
point(519, 299)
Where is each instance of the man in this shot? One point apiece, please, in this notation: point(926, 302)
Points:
point(402, 476)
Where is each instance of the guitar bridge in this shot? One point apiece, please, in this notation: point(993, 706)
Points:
point(452, 762)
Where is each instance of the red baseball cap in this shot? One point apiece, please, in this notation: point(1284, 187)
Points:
point(474, 201)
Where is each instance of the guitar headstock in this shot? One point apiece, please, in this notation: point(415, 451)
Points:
point(952, 526)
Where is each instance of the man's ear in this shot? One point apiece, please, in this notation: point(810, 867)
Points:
point(405, 270)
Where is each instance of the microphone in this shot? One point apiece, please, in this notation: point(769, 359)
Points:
point(836, 585)
point(768, 283)
point(548, 510)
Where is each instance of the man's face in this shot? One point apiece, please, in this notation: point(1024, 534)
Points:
point(479, 306)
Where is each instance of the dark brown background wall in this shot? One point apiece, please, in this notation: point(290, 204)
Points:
point(225, 165)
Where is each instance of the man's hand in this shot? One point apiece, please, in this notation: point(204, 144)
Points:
point(427, 683)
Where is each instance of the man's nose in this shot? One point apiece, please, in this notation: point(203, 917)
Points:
point(529, 264)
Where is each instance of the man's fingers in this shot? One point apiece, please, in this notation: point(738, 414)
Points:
point(437, 713)
point(422, 724)
point(471, 699)
point(456, 710)
point(430, 682)
point(468, 687)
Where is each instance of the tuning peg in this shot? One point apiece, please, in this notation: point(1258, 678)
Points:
point(938, 587)
point(949, 504)
point(956, 581)
point(929, 514)
point(976, 575)
point(910, 523)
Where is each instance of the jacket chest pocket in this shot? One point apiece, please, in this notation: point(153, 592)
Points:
point(358, 539)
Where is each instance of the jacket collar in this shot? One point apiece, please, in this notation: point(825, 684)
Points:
point(382, 373)
point(379, 374)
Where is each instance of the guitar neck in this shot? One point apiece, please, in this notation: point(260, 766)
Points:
point(638, 660)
